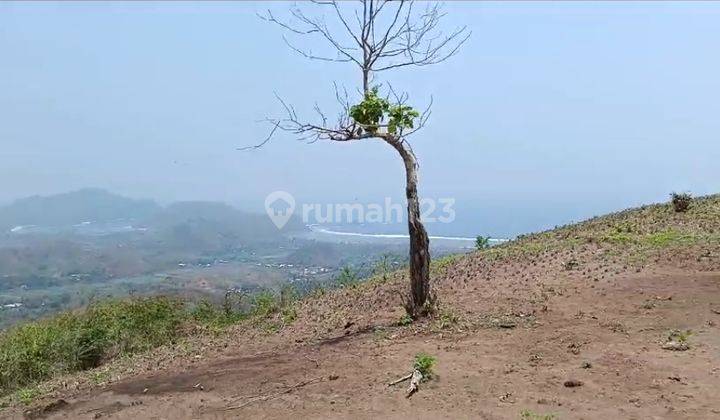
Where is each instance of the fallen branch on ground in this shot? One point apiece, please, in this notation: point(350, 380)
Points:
point(422, 371)
point(415, 380)
point(403, 379)
point(317, 364)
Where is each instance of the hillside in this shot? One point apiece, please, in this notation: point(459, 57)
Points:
point(91, 206)
point(568, 323)
point(59, 252)
point(75, 207)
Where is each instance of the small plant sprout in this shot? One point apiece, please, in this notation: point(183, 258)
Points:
point(447, 319)
point(383, 267)
point(424, 363)
point(679, 335)
point(405, 320)
point(422, 371)
point(677, 340)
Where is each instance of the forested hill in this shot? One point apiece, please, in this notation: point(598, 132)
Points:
point(74, 207)
point(97, 206)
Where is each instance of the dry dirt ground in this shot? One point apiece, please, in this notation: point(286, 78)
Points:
point(513, 326)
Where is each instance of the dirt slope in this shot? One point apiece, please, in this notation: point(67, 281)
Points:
point(591, 303)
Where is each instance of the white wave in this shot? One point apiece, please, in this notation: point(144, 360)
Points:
point(19, 228)
point(316, 228)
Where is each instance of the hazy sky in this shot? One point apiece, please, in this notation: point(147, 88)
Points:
point(551, 112)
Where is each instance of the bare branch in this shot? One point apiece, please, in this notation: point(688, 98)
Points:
point(307, 26)
point(270, 18)
point(417, 41)
point(344, 22)
point(261, 144)
point(386, 35)
point(311, 56)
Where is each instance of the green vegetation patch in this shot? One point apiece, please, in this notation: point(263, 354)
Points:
point(662, 239)
point(348, 277)
point(669, 237)
point(75, 341)
point(531, 415)
point(424, 363)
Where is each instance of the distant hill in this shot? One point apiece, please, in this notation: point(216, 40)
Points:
point(75, 207)
point(212, 225)
point(123, 237)
point(188, 219)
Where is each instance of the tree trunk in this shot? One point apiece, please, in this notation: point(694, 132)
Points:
point(419, 241)
point(366, 81)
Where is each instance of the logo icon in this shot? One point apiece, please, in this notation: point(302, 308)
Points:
point(280, 206)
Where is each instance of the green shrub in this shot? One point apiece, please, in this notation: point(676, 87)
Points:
point(265, 303)
point(205, 312)
point(482, 242)
point(681, 201)
point(74, 341)
point(130, 326)
point(289, 314)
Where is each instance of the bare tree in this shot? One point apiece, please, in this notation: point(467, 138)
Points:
point(376, 36)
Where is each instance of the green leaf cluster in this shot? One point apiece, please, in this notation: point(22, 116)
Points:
point(401, 117)
point(374, 110)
